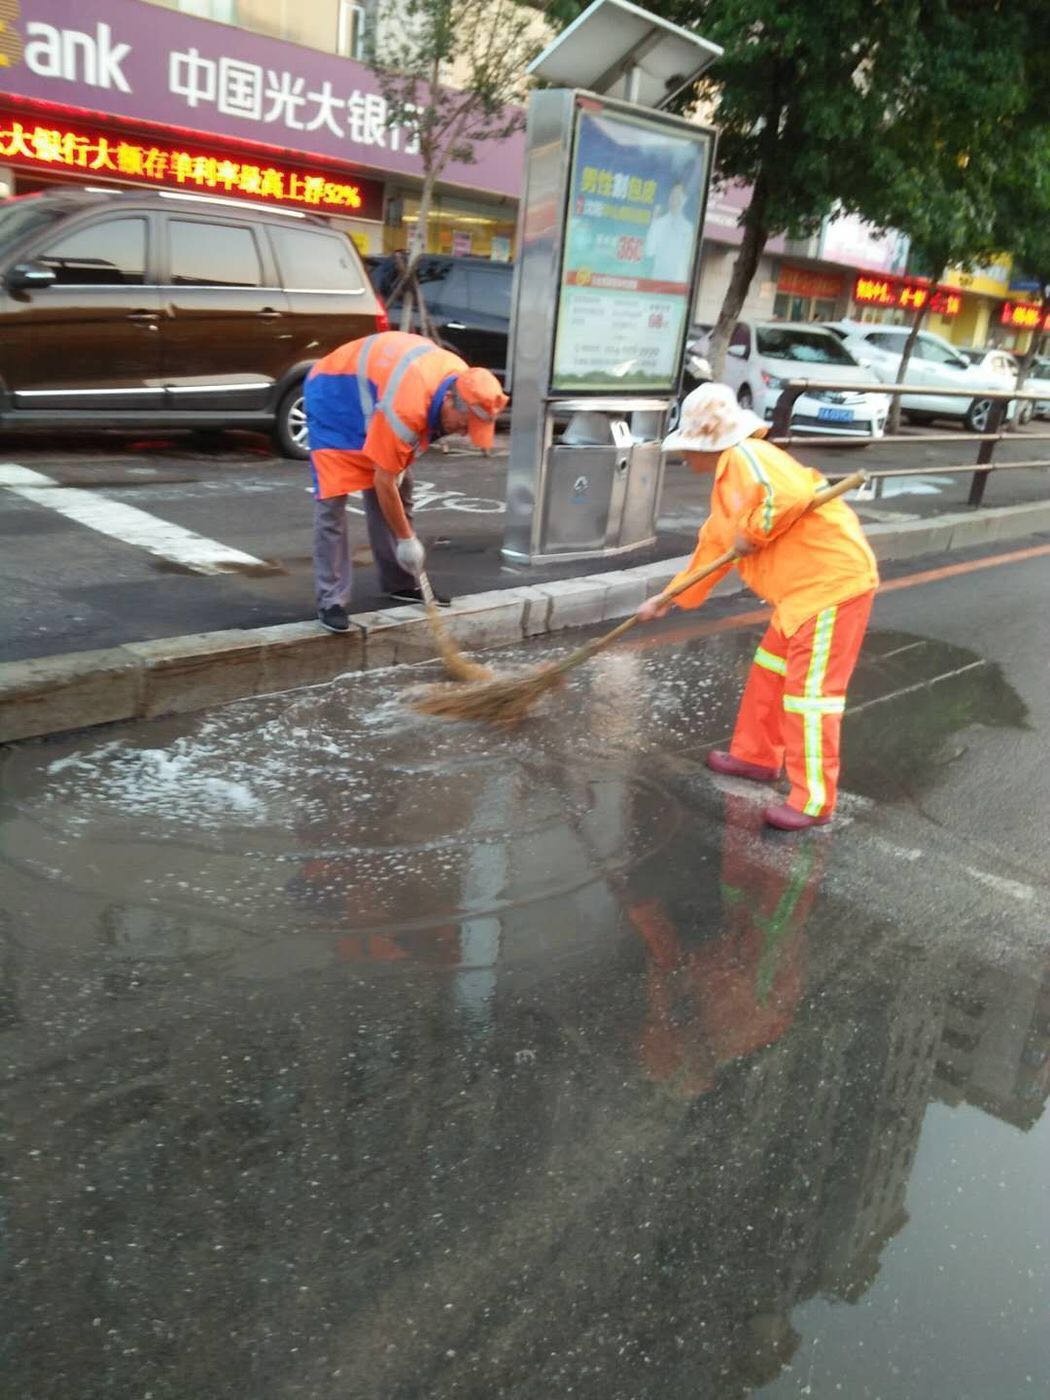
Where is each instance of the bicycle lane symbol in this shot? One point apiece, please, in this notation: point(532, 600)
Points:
point(429, 497)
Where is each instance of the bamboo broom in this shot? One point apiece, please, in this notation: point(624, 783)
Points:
point(456, 664)
point(505, 702)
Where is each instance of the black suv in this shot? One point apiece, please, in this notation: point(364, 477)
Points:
point(468, 300)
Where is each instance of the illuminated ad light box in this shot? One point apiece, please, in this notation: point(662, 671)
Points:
point(637, 187)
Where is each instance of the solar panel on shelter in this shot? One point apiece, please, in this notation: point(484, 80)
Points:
point(617, 49)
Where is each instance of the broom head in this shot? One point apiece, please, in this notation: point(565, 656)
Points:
point(503, 703)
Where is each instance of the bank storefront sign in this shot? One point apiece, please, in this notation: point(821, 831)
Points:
point(129, 59)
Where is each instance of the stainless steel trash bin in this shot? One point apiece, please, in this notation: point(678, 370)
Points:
point(601, 484)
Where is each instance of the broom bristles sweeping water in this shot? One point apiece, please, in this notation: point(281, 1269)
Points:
point(456, 664)
point(506, 701)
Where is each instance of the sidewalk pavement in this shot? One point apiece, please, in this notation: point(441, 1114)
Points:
point(496, 604)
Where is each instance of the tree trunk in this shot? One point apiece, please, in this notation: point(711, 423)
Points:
point(417, 246)
point(1026, 362)
point(893, 422)
point(755, 235)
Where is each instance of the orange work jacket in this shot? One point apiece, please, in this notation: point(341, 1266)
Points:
point(804, 560)
point(375, 403)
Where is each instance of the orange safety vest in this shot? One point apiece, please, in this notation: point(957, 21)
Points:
point(804, 560)
point(375, 403)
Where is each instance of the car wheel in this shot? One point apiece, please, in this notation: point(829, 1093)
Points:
point(978, 415)
point(744, 397)
point(289, 429)
point(1025, 412)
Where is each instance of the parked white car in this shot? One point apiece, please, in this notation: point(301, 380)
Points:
point(762, 357)
point(1038, 382)
point(1000, 367)
point(934, 364)
point(1004, 364)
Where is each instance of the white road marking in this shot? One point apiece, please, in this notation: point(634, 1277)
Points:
point(126, 523)
point(1017, 889)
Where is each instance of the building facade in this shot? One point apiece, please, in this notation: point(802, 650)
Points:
point(256, 99)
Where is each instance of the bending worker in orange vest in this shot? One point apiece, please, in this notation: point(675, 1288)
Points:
point(817, 570)
point(372, 406)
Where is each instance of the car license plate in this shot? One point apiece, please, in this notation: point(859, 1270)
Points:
point(836, 415)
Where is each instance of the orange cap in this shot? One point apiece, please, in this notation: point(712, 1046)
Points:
point(480, 391)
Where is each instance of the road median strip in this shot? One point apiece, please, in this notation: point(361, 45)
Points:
point(175, 675)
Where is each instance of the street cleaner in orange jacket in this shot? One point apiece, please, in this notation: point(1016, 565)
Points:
point(817, 570)
point(372, 407)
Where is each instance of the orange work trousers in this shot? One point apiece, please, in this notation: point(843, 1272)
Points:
point(791, 711)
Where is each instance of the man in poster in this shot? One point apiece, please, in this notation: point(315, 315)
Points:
point(669, 242)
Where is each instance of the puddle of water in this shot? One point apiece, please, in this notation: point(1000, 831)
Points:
point(356, 1054)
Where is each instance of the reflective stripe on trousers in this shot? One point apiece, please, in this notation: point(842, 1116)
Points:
point(813, 706)
point(793, 703)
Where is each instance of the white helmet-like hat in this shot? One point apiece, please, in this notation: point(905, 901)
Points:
point(711, 421)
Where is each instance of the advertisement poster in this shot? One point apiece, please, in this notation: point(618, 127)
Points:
point(633, 228)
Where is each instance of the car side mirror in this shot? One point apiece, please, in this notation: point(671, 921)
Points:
point(27, 276)
point(739, 352)
point(864, 362)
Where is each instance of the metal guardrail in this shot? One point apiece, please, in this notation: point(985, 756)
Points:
point(986, 442)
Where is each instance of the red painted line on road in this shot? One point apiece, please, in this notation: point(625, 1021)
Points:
point(684, 631)
point(1015, 556)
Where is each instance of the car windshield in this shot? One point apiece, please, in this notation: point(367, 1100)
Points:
point(21, 215)
point(810, 347)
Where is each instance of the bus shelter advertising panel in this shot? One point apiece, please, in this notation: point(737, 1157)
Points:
point(636, 203)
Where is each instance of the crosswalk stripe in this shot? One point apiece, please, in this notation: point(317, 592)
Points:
point(127, 523)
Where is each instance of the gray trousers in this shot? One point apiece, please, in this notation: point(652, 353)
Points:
point(332, 546)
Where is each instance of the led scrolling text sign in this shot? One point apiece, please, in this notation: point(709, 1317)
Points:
point(144, 161)
point(1023, 316)
point(909, 296)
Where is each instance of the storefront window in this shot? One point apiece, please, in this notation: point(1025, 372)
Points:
point(787, 307)
point(351, 29)
point(455, 227)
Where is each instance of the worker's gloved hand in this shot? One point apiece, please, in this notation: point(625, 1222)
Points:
point(653, 608)
point(411, 555)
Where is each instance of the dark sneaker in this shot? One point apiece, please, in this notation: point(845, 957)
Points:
point(721, 762)
point(334, 618)
point(415, 595)
point(786, 818)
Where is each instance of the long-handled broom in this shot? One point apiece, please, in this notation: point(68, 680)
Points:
point(506, 702)
point(456, 664)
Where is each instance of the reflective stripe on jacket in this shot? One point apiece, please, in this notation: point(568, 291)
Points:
point(804, 560)
point(375, 403)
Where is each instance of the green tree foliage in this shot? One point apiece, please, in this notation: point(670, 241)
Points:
point(898, 110)
point(417, 45)
point(969, 93)
point(1022, 225)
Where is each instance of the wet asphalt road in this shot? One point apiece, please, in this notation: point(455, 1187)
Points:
point(357, 1057)
point(67, 587)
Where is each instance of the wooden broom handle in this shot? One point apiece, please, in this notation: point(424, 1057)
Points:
point(821, 497)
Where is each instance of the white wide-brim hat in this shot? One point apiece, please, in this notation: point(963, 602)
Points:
point(711, 421)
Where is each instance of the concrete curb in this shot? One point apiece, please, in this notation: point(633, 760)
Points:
point(142, 680)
